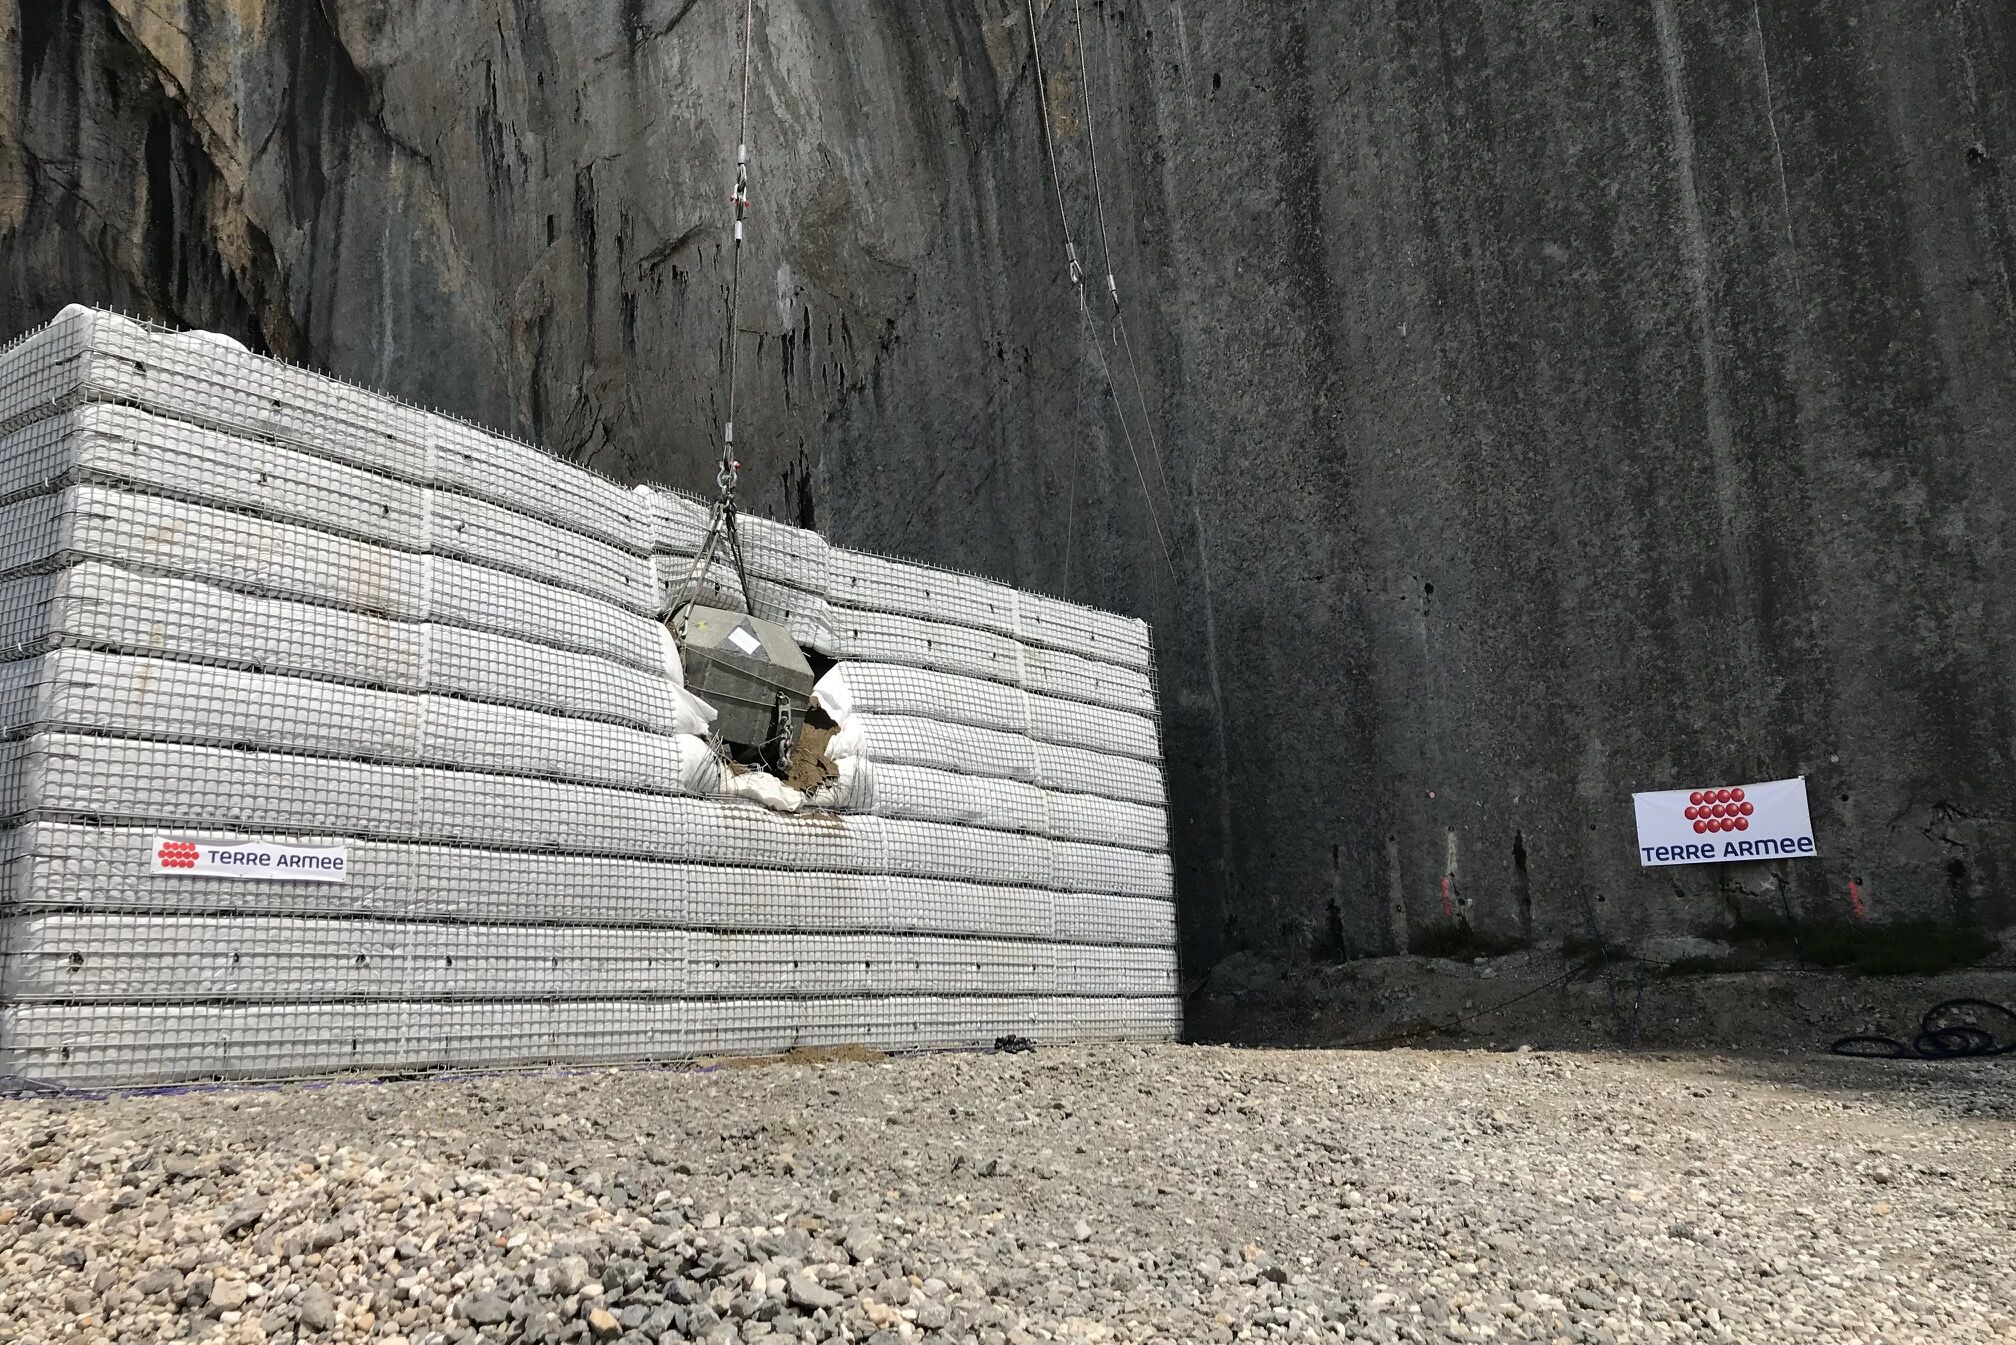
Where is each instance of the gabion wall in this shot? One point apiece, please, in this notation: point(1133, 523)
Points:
point(241, 602)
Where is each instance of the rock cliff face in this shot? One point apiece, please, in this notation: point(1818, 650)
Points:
point(1544, 405)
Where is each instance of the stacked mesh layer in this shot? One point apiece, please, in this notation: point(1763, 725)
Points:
point(246, 603)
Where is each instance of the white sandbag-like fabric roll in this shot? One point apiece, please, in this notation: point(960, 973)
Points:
point(468, 735)
point(122, 1045)
point(487, 666)
point(1095, 728)
point(274, 559)
point(1081, 1018)
point(56, 865)
point(153, 698)
point(1087, 817)
point(193, 788)
point(817, 965)
point(1125, 972)
point(623, 1030)
point(870, 688)
point(519, 1032)
point(526, 480)
point(535, 962)
point(129, 448)
point(943, 906)
point(897, 1023)
point(967, 854)
point(188, 787)
point(490, 535)
point(925, 693)
point(879, 637)
point(114, 957)
point(1092, 918)
point(86, 355)
point(35, 531)
point(940, 744)
point(23, 695)
point(1079, 867)
point(679, 522)
point(115, 694)
point(794, 556)
point(1051, 672)
point(880, 584)
point(1077, 770)
point(469, 595)
point(948, 796)
point(728, 900)
point(1105, 636)
point(105, 606)
point(128, 1045)
point(505, 885)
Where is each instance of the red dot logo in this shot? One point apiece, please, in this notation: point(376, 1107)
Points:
point(177, 854)
point(1723, 808)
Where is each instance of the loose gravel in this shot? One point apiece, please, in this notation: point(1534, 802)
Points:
point(1111, 1194)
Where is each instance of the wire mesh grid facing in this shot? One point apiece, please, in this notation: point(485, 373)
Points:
point(244, 606)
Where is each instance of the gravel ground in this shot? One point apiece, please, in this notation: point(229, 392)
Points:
point(1111, 1194)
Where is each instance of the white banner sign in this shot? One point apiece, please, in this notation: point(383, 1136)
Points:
point(193, 857)
point(1724, 824)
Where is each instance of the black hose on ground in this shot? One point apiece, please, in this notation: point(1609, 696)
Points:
point(1950, 1030)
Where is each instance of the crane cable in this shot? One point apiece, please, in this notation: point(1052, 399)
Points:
point(1106, 252)
point(722, 520)
point(1077, 276)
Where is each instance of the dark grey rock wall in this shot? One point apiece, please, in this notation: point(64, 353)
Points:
point(1557, 400)
point(1547, 401)
point(514, 211)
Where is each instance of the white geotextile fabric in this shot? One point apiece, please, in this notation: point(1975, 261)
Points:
point(876, 688)
point(461, 600)
point(87, 355)
point(883, 637)
point(1090, 917)
point(1052, 672)
point(103, 605)
point(192, 787)
point(112, 957)
point(475, 462)
point(879, 584)
point(149, 452)
point(490, 535)
point(124, 1045)
point(126, 697)
point(510, 604)
point(53, 861)
point(1107, 636)
point(155, 532)
point(912, 767)
point(793, 556)
point(94, 603)
point(918, 741)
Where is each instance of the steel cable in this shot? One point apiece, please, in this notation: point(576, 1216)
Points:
point(1078, 284)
